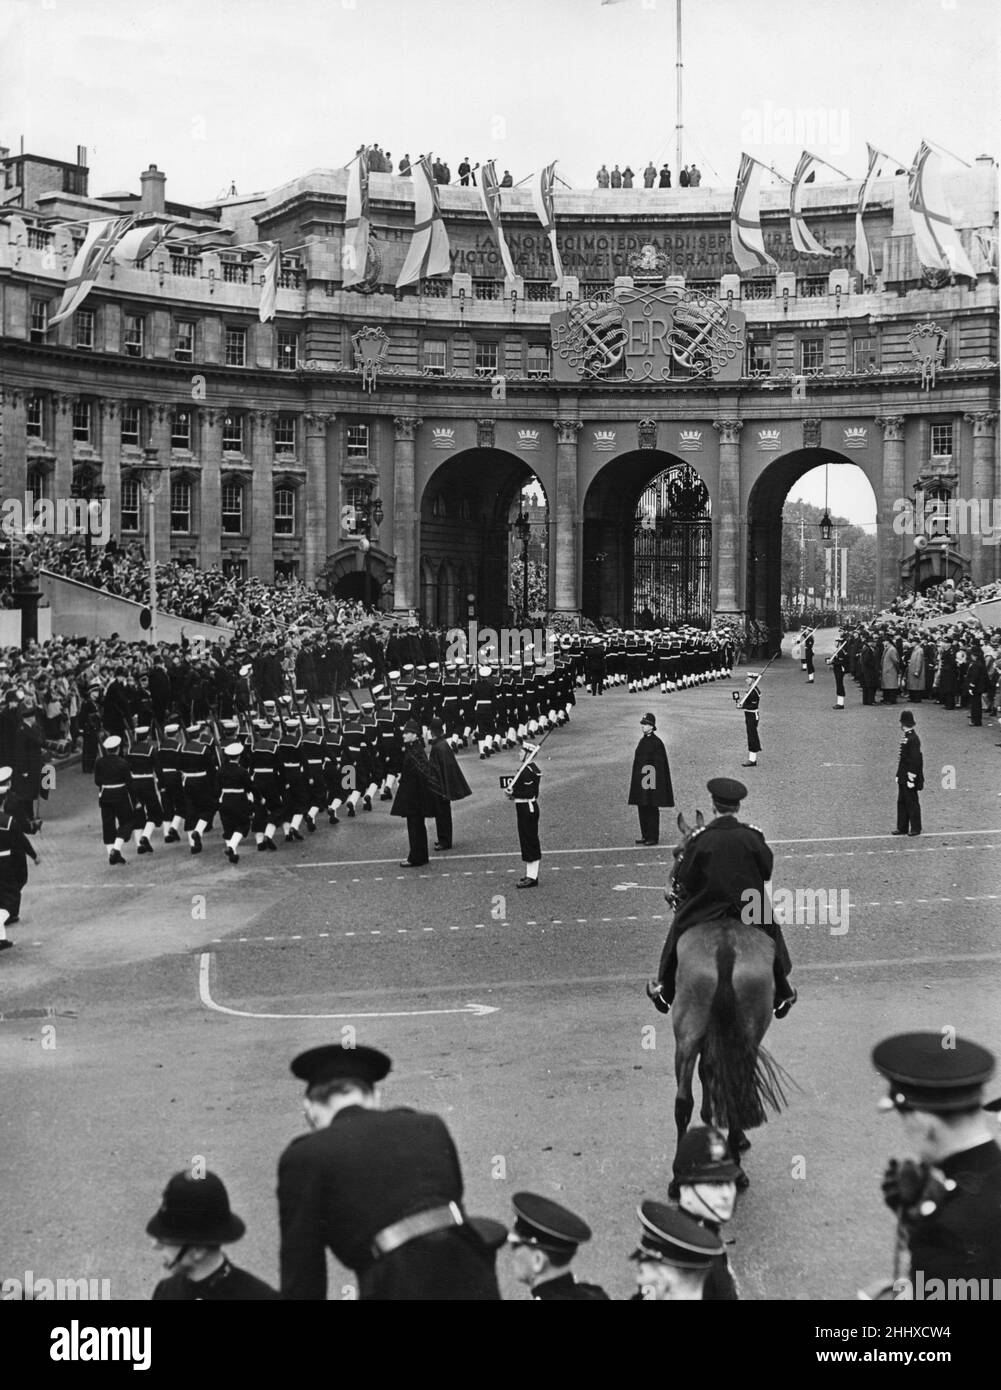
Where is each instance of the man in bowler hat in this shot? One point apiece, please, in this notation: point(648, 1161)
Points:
point(192, 1225)
point(381, 1189)
point(910, 778)
point(650, 785)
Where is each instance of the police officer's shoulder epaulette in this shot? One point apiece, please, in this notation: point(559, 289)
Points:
point(699, 830)
point(756, 830)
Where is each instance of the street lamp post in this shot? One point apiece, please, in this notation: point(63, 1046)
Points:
point(368, 519)
point(150, 473)
point(523, 528)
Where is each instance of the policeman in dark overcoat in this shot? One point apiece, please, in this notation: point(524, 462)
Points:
point(381, 1189)
point(948, 1204)
point(910, 778)
point(650, 785)
point(444, 762)
point(192, 1225)
point(15, 851)
point(417, 795)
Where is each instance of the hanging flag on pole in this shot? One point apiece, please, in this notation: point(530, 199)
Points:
point(491, 200)
point(863, 256)
point(802, 238)
point(354, 252)
point(269, 281)
point(141, 240)
point(746, 236)
point(429, 253)
point(935, 238)
point(542, 201)
point(101, 239)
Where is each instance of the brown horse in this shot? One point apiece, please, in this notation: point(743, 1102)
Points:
point(722, 1009)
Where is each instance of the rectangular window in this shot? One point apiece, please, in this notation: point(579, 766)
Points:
point(538, 361)
point(232, 509)
point(131, 424)
point(34, 427)
point(285, 434)
point(135, 335)
point(284, 511)
point(180, 507)
point(234, 568)
point(236, 347)
point(39, 320)
point(83, 322)
point(184, 341)
point(357, 441)
point(130, 505)
point(232, 434)
point(180, 429)
point(435, 356)
point(757, 289)
point(539, 291)
point(941, 439)
point(812, 287)
point(484, 358)
point(759, 356)
point(811, 355)
point(487, 289)
point(434, 289)
point(81, 421)
point(864, 354)
point(288, 351)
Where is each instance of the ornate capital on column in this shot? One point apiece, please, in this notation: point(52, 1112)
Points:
point(811, 434)
point(406, 427)
point(982, 422)
point(728, 430)
point(11, 398)
point(109, 409)
point(204, 414)
point(485, 434)
point(318, 421)
point(63, 404)
point(566, 431)
point(262, 419)
point(893, 427)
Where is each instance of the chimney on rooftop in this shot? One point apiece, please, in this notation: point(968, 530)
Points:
point(153, 183)
point(81, 156)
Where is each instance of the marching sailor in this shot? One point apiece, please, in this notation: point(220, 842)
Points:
point(524, 792)
point(750, 702)
point(236, 799)
point(113, 777)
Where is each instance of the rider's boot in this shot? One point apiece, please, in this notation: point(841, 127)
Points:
point(661, 992)
point(785, 994)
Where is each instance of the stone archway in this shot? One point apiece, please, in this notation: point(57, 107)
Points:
point(765, 532)
point(465, 535)
point(353, 573)
point(610, 577)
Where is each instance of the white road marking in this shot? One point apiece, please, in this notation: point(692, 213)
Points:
point(624, 849)
point(205, 996)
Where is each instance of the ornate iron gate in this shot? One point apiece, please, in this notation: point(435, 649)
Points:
point(672, 550)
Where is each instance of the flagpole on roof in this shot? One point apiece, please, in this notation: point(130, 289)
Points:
point(937, 146)
point(829, 165)
point(679, 128)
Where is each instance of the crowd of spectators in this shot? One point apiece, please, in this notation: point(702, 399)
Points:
point(380, 161)
point(652, 177)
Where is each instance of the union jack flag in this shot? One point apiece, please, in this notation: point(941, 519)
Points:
point(542, 201)
point(101, 239)
point(491, 199)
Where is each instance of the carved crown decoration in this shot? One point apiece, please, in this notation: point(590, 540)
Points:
point(371, 347)
point(927, 342)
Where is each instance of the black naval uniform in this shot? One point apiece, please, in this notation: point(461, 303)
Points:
point(142, 759)
point(910, 780)
point(838, 667)
point(228, 1284)
point(564, 1288)
point(525, 794)
point(236, 798)
point(961, 1237)
point(808, 656)
point(15, 851)
point(750, 704)
point(113, 776)
point(341, 1186)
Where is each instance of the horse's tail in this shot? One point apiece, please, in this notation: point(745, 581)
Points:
point(742, 1078)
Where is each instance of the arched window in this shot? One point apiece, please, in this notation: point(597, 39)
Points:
point(232, 507)
point(180, 507)
point(284, 511)
point(439, 511)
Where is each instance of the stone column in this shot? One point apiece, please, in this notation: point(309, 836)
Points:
point(111, 473)
point(13, 442)
point(565, 592)
point(889, 545)
point(262, 498)
point(209, 510)
point(159, 434)
point(987, 495)
point(318, 423)
point(728, 529)
point(405, 519)
point(62, 444)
